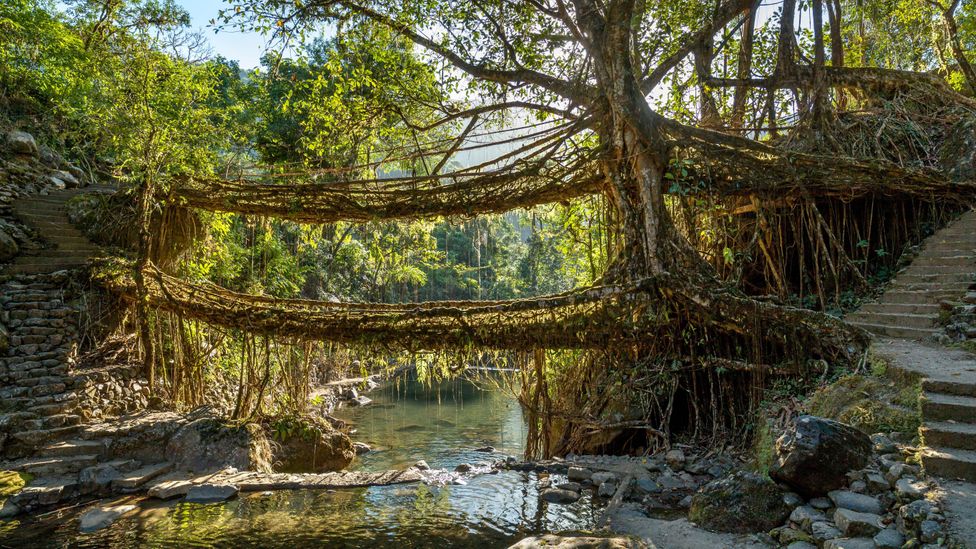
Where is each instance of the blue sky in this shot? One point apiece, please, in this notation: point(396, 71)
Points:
point(246, 48)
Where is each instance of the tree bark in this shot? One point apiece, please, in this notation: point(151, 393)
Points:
point(744, 69)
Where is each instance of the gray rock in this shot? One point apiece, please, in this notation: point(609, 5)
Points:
point(170, 489)
point(553, 541)
point(556, 495)
point(804, 516)
point(909, 489)
point(102, 517)
point(849, 543)
point(22, 143)
point(571, 486)
point(883, 444)
point(821, 503)
point(792, 499)
point(97, 478)
point(211, 493)
point(8, 246)
point(823, 531)
point(930, 531)
point(675, 459)
point(579, 473)
point(9, 509)
point(422, 465)
point(859, 487)
point(815, 456)
point(646, 486)
point(895, 472)
point(685, 502)
point(889, 538)
point(670, 482)
point(855, 524)
point(463, 468)
point(876, 482)
point(607, 489)
point(361, 448)
point(603, 476)
point(856, 502)
point(911, 516)
point(801, 545)
point(361, 401)
point(742, 502)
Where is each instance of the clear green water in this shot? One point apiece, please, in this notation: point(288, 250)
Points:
point(442, 425)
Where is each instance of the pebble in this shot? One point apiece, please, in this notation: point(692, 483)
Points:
point(883, 444)
point(804, 516)
point(792, 499)
point(821, 503)
point(607, 489)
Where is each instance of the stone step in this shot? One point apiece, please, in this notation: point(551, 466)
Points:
point(41, 436)
point(949, 387)
point(948, 261)
point(74, 447)
point(899, 308)
point(949, 434)
point(137, 478)
point(56, 465)
point(895, 331)
point(895, 319)
point(936, 277)
point(958, 288)
point(950, 463)
point(916, 297)
point(941, 407)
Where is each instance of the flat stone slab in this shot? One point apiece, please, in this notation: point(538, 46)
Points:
point(861, 503)
point(259, 482)
point(211, 493)
point(141, 476)
point(166, 489)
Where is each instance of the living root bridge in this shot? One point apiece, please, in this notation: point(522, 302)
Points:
point(640, 314)
point(720, 165)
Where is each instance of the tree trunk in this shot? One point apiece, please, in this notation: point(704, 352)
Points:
point(744, 69)
point(952, 30)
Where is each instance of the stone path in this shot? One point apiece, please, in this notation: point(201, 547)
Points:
point(68, 247)
point(944, 269)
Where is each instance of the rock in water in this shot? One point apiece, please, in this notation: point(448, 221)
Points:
point(557, 495)
point(815, 456)
point(102, 517)
point(211, 493)
point(22, 143)
point(552, 541)
point(739, 503)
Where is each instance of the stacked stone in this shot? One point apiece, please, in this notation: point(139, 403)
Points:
point(114, 391)
point(36, 356)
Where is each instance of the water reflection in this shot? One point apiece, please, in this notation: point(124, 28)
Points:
point(443, 425)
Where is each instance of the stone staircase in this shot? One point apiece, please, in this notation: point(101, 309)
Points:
point(908, 313)
point(945, 269)
point(68, 247)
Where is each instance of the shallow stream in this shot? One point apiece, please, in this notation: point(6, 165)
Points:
point(444, 425)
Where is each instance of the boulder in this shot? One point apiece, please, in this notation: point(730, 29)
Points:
point(312, 446)
point(102, 517)
point(8, 246)
point(579, 473)
point(815, 456)
point(740, 503)
point(552, 541)
point(22, 143)
point(208, 444)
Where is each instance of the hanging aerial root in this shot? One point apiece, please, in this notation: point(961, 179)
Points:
point(658, 308)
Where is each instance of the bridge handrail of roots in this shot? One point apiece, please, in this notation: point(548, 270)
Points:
point(595, 317)
point(725, 166)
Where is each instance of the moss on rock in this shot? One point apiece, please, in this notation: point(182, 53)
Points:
point(869, 403)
